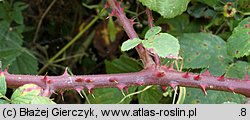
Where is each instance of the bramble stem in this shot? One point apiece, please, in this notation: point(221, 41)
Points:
point(150, 76)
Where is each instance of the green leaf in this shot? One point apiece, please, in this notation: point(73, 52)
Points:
point(238, 44)
point(21, 60)
point(195, 96)
point(112, 30)
point(167, 8)
point(150, 96)
point(238, 70)
point(152, 31)
point(129, 44)
point(124, 64)
point(25, 94)
point(202, 50)
point(17, 12)
point(9, 36)
point(11, 51)
point(3, 101)
point(164, 44)
point(42, 100)
point(3, 87)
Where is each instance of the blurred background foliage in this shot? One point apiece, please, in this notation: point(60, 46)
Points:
point(33, 31)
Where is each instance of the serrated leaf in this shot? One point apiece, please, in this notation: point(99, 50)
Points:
point(124, 64)
point(129, 44)
point(21, 60)
point(167, 8)
point(3, 86)
point(195, 96)
point(17, 12)
point(150, 96)
point(11, 51)
point(238, 70)
point(152, 31)
point(202, 50)
point(238, 44)
point(164, 44)
point(9, 37)
point(25, 94)
point(42, 100)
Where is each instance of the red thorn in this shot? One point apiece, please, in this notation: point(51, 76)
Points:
point(203, 88)
point(221, 78)
point(45, 78)
point(197, 77)
point(79, 80)
point(132, 21)
point(185, 75)
point(150, 18)
point(171, 67)
point(173, 84)
point(66, 74)
point(231, 89)
point(120, 86)
point(126, 89)
point(6, 70)
point(118, 5)
point(46, 92)
point(106, 5)
point(48, 81)
point(159, 73)
point(139, 83)
point(207, 73)
point(113, 80)
point(89, 80)
point(61, 93)
point(90, 88)
point(164, 88)
point(54, 92)
point(79, 89)
point(113, 13)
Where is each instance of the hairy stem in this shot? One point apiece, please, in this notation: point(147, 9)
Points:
point(150, 76)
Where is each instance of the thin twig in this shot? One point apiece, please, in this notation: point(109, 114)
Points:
point(41, 20)
point(150, 17)
point(150, 24)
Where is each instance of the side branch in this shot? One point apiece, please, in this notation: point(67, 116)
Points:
point(150, 76)
point(127, 25)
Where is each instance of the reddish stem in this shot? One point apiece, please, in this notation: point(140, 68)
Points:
point(128, 28)
point(150, 76)
point(150, 17)
point(150, 24)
